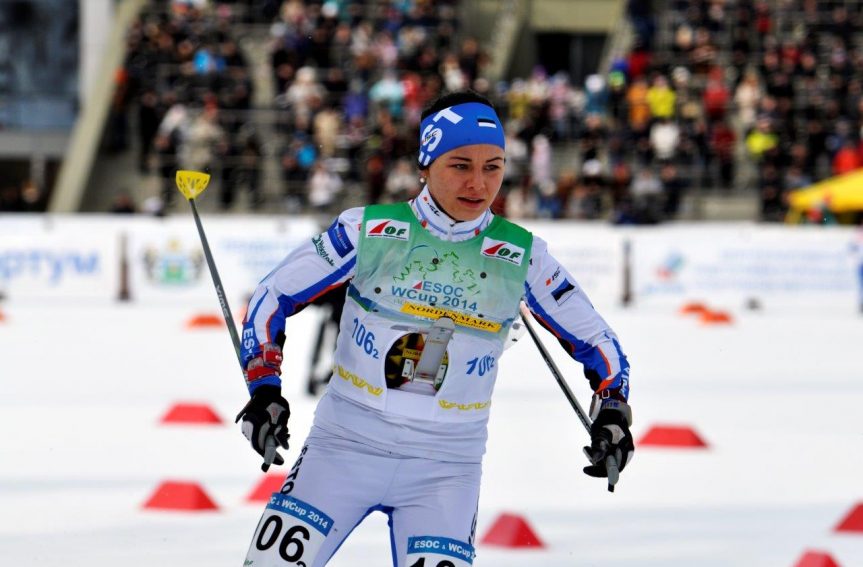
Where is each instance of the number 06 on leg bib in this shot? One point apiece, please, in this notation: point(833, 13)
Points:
point(290, 533)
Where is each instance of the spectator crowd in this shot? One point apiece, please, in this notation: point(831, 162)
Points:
point(719, 96)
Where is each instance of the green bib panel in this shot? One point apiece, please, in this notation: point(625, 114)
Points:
point(405, 273)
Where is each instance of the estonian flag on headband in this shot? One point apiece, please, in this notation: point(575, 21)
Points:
point(486, 122)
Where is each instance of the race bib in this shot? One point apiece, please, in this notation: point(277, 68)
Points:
point(430, 551)
point(290, 533)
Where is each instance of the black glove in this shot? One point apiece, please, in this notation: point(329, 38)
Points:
point(609, 436)
point(265, 423)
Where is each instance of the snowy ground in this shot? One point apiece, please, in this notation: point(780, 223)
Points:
point(776, 396)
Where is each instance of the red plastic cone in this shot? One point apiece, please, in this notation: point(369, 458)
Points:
point(511, 530)
point(205, 321)
point(191, 413)
point(816, 559)
point(693, 308)
point(710, 317)
point(187, 496)
point(853, 522)
point(672, 436)
point(264, 489)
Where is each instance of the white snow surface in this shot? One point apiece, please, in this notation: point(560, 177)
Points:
point(775, 395)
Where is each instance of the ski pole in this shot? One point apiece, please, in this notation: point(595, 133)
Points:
point(610, 461)
point(191, 184)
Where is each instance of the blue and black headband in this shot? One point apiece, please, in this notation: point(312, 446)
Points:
point(459, 125)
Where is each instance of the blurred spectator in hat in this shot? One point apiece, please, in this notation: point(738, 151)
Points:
point(597, 95)
point(673, 186)
point(617, 91)
point(593, 137)
point(847, 159)
point(721, 148)
point(302, 92)
point(639, 109)
point(559, 106)
point(761, 139)
point(540, 160)
point(647, 197)
point(716, 96)
point(665, 139)
point(204, 141)
point(323, 187)
point(326, 126)
point(746, 99)
point(661, 99)
point(389, 93)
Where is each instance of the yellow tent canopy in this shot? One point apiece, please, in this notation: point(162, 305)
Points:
point(840, 194)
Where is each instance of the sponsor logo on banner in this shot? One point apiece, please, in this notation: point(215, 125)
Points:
point(172, 265)
point(51, 266)
point(563, 292)
point(670, 267)
point(502, 250)
point(393, 229)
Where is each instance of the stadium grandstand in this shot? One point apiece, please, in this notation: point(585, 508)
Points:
point(631, 112)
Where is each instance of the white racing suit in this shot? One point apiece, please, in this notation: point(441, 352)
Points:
point(381, 441)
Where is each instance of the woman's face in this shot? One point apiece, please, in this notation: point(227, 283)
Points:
point(466, 180)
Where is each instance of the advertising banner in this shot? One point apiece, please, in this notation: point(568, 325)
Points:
point(56, 258)
point(161, 260)
point(166, 260)
point(739, 263)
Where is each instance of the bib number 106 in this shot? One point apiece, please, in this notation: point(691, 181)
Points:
point(364, 339)
point(290, 533)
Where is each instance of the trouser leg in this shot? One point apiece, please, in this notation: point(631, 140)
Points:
point(326, 494)
point(434, 512)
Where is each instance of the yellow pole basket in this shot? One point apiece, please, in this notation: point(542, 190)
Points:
point(192, 183)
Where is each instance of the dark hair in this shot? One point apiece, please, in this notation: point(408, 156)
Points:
point(454, 98)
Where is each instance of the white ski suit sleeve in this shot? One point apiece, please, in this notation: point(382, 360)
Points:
point(322, 263)
point(562, 307)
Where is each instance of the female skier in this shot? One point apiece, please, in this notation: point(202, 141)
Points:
point(434, 286)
